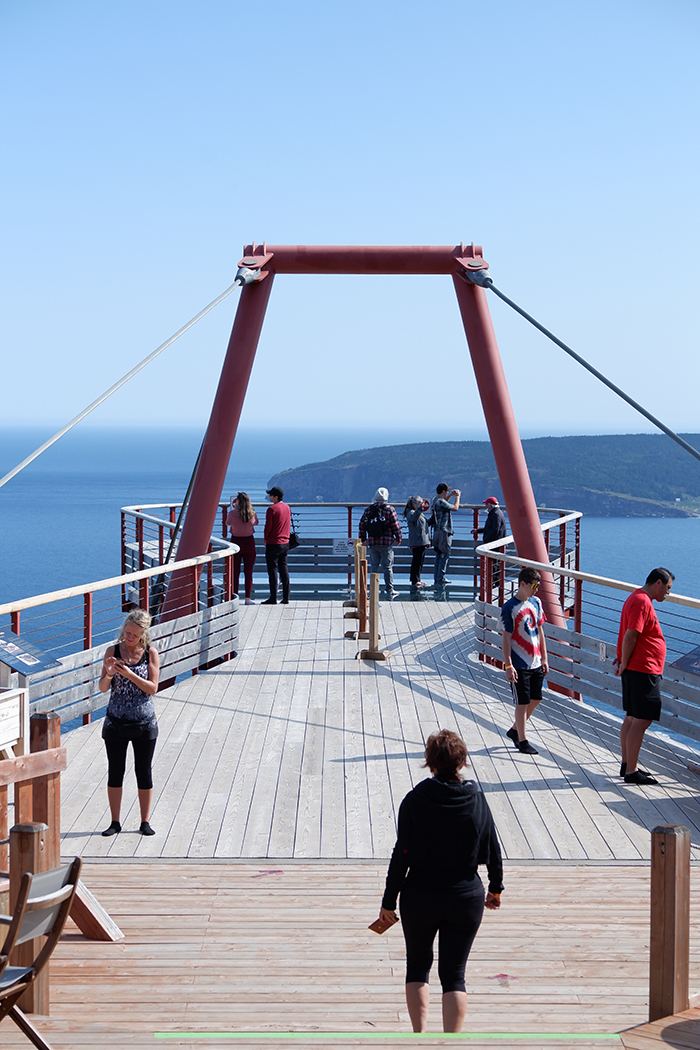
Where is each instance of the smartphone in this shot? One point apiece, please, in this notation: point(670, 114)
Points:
point(382, 925)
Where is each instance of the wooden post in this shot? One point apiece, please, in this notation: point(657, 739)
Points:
point(374, 652)
point(362, 596)
point(4, 852)
point(354, 603)
point(45, 733)
point(28, 853)
point(669, 952)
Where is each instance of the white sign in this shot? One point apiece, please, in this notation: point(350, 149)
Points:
point(344, 548)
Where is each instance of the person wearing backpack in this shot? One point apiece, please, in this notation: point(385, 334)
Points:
point(380, 530)
point(443, 530)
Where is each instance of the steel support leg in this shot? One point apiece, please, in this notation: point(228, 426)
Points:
point(505, 439)
point(216, 451)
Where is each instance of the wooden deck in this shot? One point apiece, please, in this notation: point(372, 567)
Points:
point(222, 946)
point(296, 749)
point(277, 781)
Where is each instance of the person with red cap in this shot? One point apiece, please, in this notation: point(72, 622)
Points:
point(495, 527)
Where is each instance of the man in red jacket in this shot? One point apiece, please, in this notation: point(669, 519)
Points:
point(277, 527)
point(641, 653)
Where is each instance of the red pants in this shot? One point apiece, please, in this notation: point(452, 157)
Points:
point(247, 555)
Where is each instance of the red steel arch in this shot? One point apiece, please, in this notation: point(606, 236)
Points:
point(456, 262)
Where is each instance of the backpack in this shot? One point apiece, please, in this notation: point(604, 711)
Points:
point(377, 524)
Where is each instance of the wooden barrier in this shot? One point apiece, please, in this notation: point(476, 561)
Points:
point(669, 949)
point(360, 601)
point(374, 652)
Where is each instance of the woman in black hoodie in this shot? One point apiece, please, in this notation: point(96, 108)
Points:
point(445, 832)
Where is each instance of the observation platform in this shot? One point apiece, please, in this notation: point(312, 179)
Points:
point(278, 778)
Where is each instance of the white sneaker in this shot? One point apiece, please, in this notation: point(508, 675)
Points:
point(249, 601)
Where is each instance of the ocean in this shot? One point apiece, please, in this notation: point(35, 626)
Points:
point(59, 518)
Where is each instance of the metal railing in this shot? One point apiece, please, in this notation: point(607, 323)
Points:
point(73, 625)
point(581, 660)
point(322, 565)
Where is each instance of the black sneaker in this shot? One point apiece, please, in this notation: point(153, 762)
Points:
point(526, 748)
point(146, 828)
point(270, 601)
point(512, 734)
point(113, 829)
point(639, 777)
point(623, 769)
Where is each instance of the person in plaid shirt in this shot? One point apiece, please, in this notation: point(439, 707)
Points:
point(380, 530)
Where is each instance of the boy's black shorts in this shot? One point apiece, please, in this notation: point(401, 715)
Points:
point(641, 695)
point(528, 686)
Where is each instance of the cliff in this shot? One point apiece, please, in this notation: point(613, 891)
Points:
point(630, 475)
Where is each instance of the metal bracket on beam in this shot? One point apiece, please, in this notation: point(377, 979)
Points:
point(250, 268)
point(473, 266)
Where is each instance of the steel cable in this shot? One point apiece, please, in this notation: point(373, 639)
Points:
point(125, 379)
point(482, 278)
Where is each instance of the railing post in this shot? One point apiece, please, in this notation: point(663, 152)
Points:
point(350, 537)
point(87, 640)
point(144, 589)
point(45, 733)
point(475, 534)
point(669, 949)
point(562, 563)
point(28, 853)
point(210, 580)
point(123, 552)
point(161, 544)
point(139, 538)
point(14, 622)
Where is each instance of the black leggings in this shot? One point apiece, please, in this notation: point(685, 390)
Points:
point(143, 757)
point(417, 563)
point(454, 914)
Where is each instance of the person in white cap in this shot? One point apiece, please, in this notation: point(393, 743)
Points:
point(495, 527)
point(380, 530)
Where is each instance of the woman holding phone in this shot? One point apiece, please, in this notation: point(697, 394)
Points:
point(130, 671)
point(445, 832)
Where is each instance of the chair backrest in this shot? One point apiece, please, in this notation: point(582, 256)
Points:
point(43, 904)
point(48, 891)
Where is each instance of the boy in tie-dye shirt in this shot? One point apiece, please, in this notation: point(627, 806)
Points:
point(525, 654)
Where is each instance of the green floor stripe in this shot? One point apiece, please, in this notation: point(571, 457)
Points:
point(393, 1036)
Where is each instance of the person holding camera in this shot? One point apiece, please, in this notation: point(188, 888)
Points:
point(443, 530)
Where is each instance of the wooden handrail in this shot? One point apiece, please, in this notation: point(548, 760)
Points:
point(114, 581)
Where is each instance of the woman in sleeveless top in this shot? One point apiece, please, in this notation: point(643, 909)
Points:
point(130, 671)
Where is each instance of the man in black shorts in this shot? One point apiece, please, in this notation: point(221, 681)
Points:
point(524, 653)
point(641, 652)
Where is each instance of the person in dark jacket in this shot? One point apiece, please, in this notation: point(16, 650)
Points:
point(418, 535)
point(495, 527)
point(445, 832)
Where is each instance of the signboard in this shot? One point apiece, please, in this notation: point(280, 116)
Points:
point(689, 662)
point(23, 656)
point(344, 548)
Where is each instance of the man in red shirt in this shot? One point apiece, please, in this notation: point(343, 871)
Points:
point(641, 652)
point(277, 527)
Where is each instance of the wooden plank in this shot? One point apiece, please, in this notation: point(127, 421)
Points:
point(26, 767)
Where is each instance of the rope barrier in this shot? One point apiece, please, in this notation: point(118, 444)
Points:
point(240, 280)
point(482, 278)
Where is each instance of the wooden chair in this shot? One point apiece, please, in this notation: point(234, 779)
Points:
point(43, 905)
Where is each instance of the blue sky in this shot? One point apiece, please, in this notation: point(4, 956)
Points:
point(145, 142)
